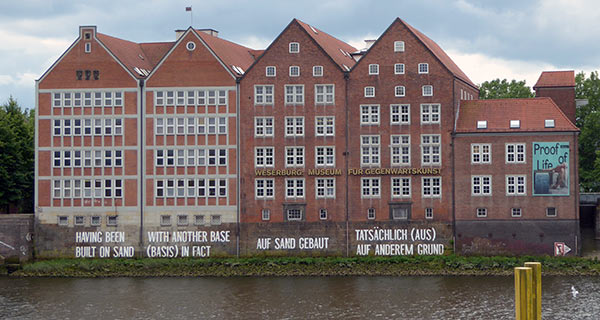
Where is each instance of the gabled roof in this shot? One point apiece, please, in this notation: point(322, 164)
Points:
point(231, 54)
point(556, 79)
point(531, 112)
point(439, 54)
point(331, 45)
point(130, 54)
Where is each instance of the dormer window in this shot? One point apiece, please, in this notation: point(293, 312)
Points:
point(398, 46)
point(270, 71)
point(369, 92)
point(373, 69)
point(482, 124)
point(294, 47)
point(549, 123)
point(317, 71)
point(294, 71)
point(88, 47)
point(515, 124)
point(423, 68)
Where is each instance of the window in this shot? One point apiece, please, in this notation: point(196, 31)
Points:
point(67, 159)
point(222, 97)
point(430, 113)
point(400, 187)
point(180, 126)
point(294, 47)
point(324, 156)
point(294, 94)
point(97, 188)
point(201, 188)
point(481, 153)
point(481, 185)
point(324, 126)
point(294, 214)
point(266, 214)
point(549, 123)
point(112, 220)
point(294, 71)
point(317, 71)
point(67, 127)
point(217, 157)
point(63, 220)
point(481, 212)
point(370, 187)
point(400, 212)
point(87, 127)
point(56, 162)
point(180, 188)
point(515, 185)
point(118, 127)
point(165, 220)
point(294, 156)
point(265, 188)
point(170, 188)
point(515, 212)
point(76, 158)
point(550, 212)
point(369, 153)
point(430, 149)
point(515, 153)
point(373, 69)
point(170, 125)
point(294, 126)
point(400, 150)
point(67, 189)
point(399, 91)
point(263, 126)
point(369, 115)
point(324, 94)
point(191, 187)
point(77, 127)
point(57, 127)
point(431, 187)
point(88, 47)
point(398, 46)
point(371, 213)
point(323, 214)
point(182, 220)
point(369, 92)
point(191, 125)
point(263, 95)
point(423, 68)
point(515, 124)
point(400, 114)
point(427, 91)
point(199, 219)
point(294, 188)
point(325, 187)
point(107, 127)
point(96, 221)
point(270, 71)
point(57, 190)
point(97, 99)
point(212, 97)
point(482, 124)
point(399, 68)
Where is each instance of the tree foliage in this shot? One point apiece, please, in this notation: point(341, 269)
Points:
point(502, 89)
point(588, 121)
point(16, 157)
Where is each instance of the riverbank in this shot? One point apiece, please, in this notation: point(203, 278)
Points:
point(306, 266)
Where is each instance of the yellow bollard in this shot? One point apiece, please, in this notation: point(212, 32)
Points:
point(536, 269)
point(523, 293)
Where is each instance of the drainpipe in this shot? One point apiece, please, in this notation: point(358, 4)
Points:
point(141, 159)
point(452, 135)
point(346, 156)
point(237, 151)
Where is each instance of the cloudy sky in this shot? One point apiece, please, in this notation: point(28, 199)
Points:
point(488, 39)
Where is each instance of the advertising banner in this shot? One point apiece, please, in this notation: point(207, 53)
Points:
point(550, 168)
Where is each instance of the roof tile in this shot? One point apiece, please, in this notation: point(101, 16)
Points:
point(556, 79)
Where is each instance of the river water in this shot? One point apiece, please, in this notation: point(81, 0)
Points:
point(289, 298)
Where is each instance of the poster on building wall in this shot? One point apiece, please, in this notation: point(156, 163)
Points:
point(550, 168)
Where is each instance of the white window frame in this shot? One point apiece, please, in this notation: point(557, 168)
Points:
point(515, 153)
point(423, 68)
point(317, 71)
point(264, 95)
point(516, 212)
point(400, 114)
point(294, 156)
point(294, 94)
point(266, 214)
point(399, 91)
point(400, 187)
point(324, 188)
point(481, 185)
point(371, 214)
point(325, 126)
point(271, 68)
point(430, 113)
point(481, 212)
point(431, 187)
point(400, 150)
point(512, 182)
point(429, 213)
point(369, 114)
point(294, 71)
point(428, 148)
point(294, 126)
point(399, 46)
point(370, 150)
point(322, 94)
point(324, 156)
point(294, 188)
point(370, 188)
point(267, 186)
point(369, 92)
point(323, 214)
point(264, 126)
point(294, 47)
point(264, 157)
point(427, 90)
point(551, 215)
point(373, 69)
point(291, 214)
point(481, 153)
point(399, 68)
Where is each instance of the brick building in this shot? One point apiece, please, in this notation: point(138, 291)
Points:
point(310, 145)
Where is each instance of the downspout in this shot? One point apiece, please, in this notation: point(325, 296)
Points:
point(455, 114)
point(576, 185)
point(141, 159)
point(238, 175)
point(346, 156)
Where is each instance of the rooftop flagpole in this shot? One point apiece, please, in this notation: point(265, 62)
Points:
point(191, 15)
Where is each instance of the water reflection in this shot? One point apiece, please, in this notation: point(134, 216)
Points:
point(289, 298)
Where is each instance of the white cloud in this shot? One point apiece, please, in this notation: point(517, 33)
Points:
point(359, 42)
point(5, 79)
point(255, 42)
point(570, 19)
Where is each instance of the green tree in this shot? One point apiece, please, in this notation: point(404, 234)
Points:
point(16, 157)
point(502, 89)
point(588, 121)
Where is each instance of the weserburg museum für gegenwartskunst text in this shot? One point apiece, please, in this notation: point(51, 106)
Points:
point(201, 147)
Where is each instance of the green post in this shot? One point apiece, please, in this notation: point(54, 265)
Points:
point(536, 268)
point(523, 293)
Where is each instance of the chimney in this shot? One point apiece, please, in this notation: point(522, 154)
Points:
point(212, 32)
point(560, 87)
